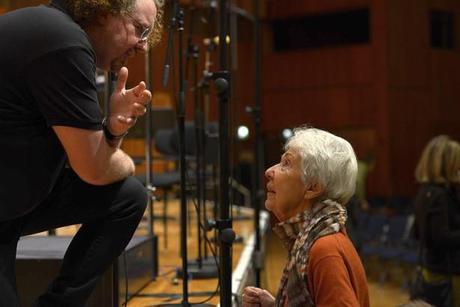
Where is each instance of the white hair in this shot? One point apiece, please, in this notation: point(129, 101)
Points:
point(326, 159)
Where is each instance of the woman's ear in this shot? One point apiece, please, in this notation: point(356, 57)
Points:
point(313, 191)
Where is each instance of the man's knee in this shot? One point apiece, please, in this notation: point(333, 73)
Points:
point(134, 195)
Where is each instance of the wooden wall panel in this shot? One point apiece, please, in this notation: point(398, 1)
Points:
point(329, 108)
point(411, 127)
point(289, 8)
point(325, 67)
point(423, 88)
point(379, 182)
point(409, 36)
point(16, 4)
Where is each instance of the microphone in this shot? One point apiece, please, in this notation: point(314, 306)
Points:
point(165, 75)
point(169, 49)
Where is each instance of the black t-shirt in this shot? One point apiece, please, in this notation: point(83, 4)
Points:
point(47, 78)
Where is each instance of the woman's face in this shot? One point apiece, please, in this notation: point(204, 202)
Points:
point(285, 189)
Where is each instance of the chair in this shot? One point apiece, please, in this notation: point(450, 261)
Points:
point(167, 180)
point(405, 252)
point(371, 232)
point(393, 244)
point(400, 204)
point(377, 202)
point(372, 229)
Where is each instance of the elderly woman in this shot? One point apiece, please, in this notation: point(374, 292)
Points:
point(437, 216)
point(306, 192)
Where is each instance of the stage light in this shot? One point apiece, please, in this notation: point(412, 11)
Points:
point(242, 133)
point(286, 133)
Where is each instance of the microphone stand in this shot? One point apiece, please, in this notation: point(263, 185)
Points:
point(177, 19)
point(258, 193)
point(224, 223)
point(179, 12)
point(148, 169)
point(234, 66)
point(202, 268)
point(207, 136)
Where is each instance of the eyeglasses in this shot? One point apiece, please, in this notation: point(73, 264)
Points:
point(142, 31)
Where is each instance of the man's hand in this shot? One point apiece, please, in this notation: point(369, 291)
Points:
point(253, 296)
point(126, 105)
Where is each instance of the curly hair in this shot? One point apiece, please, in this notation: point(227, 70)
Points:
point(86, 11)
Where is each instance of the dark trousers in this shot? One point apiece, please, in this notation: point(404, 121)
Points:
point(109, 216)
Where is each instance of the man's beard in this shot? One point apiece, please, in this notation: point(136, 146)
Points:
point(118, 63)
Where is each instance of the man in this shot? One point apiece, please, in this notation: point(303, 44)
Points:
point(60, 162)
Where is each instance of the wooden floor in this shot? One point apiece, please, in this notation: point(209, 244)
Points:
point(156, 292)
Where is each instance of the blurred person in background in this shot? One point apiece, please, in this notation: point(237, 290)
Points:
point(437, 212)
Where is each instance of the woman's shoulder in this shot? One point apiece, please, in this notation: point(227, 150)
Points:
point(430, 192)
point(335, 244)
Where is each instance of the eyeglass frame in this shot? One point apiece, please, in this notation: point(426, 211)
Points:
point(142, 31)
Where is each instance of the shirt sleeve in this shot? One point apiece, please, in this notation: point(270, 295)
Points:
point(62, 84)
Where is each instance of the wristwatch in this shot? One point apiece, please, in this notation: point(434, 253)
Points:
point(108, 135)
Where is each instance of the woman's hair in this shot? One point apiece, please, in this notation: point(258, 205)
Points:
point(440, 161)
point(86, 11)
point(326, 159)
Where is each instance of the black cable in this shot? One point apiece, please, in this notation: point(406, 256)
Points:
point(209, 244)
point(126, 278)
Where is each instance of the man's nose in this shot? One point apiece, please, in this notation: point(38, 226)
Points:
point(142, 46)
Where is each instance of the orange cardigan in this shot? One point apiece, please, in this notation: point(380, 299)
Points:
point(336, 275)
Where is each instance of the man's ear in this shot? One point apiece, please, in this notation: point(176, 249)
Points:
point(313, 191)
point(101, 19)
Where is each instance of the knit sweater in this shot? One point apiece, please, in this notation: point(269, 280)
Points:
point(336, 276)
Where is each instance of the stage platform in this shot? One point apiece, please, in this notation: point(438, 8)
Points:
point(38, 259)
point(166, 288)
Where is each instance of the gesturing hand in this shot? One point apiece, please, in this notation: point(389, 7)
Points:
point(126, 105)
point(253, 296)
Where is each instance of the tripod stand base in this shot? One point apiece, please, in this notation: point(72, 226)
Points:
point(238, 239)
point(184, 304)
point(207, 270)
point(205, 261)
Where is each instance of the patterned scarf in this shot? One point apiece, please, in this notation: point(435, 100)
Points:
point(298, 235)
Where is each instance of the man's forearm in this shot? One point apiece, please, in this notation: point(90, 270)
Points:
point(119, 166)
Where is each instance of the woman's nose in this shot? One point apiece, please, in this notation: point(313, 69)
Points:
point(269, 172)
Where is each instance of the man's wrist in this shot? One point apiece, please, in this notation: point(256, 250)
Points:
point(108, 135)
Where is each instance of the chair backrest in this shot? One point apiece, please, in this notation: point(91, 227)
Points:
point(211, 141)
point(212, 128)
point(375, 228)
point(164, 142)
point(162, 118)
point(190, 145)
point(211, 149)
point(400, 204)
point(377, 202)
point(397, 228)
